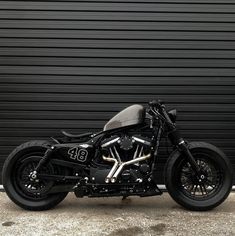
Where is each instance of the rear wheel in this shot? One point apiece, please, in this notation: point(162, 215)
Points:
point(19, 183)
point(206, 190)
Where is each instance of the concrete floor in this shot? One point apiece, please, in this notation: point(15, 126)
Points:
point(113, 217)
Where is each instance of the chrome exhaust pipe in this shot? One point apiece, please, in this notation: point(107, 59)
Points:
point(116, 174)
point(114, 168)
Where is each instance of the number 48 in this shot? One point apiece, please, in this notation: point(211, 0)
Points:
point(79, 154)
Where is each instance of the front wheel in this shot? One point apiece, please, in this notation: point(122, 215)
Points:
point(202, 192)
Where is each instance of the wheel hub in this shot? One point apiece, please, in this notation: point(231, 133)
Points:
point(28, 181)
point(33, 175)
point(201, 179)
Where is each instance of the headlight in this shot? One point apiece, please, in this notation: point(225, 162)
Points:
point(173, 115)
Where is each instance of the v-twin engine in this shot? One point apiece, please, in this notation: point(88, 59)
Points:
point(125, 151)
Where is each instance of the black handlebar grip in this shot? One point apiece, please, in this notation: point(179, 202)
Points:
point(153, 103)
point(160, 102)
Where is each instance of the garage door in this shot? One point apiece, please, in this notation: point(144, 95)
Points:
point(73, 64)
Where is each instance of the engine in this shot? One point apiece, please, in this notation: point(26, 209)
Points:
point(129, 157)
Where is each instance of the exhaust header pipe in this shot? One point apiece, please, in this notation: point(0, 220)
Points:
point(115, 171)
point(116, 174)
point(114, 168)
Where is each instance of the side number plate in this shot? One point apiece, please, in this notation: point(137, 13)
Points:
point(76, 153)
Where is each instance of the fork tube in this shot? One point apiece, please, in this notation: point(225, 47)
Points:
point(189, 156)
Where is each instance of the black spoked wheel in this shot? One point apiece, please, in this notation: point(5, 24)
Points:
point(202, 191)
point(24, 188)
point(26, 185)
point(205, 185)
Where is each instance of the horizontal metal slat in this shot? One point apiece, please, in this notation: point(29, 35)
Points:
point(116, 7)
point(117, 62)
point(117, 34)
point(115, 98)
point(106, 107)
point(116, 80)
point(116, 44)
point(109, 89)
point(118, 25)
point(146, 1)
point(118, 16)
point(158, 1)
point(117, 53)
point(117, 71)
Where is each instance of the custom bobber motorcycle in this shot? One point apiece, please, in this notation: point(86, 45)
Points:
point(118, 161)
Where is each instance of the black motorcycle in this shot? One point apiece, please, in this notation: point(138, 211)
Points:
point(118, 161)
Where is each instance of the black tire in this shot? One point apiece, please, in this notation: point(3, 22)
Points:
point(14, 191)
point(180, 178)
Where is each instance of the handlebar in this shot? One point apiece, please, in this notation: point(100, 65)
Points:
point(161, 107)
point(157, 104)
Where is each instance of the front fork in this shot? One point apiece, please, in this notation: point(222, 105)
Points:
point(184, 148)
point(179, 142)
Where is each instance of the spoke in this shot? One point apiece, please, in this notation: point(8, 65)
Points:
point(24, 176)
point(186, 174)
point(213, 186)
point(210, 182)
point(195, 189)
point(191, 188)
point(187, 186)
point(213, 175)
point(186, 169)
point(31, 166)
point(34, 165)
point(201, 189)
point(205, 188)
point(188, 182)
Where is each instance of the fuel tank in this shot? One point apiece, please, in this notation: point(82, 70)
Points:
point(131, 115)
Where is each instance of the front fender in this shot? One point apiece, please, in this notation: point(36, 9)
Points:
point(195, 145)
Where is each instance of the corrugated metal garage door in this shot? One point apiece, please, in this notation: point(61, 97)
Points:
point(73, 64)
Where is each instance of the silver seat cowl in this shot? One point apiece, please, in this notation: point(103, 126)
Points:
point(131, 115)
